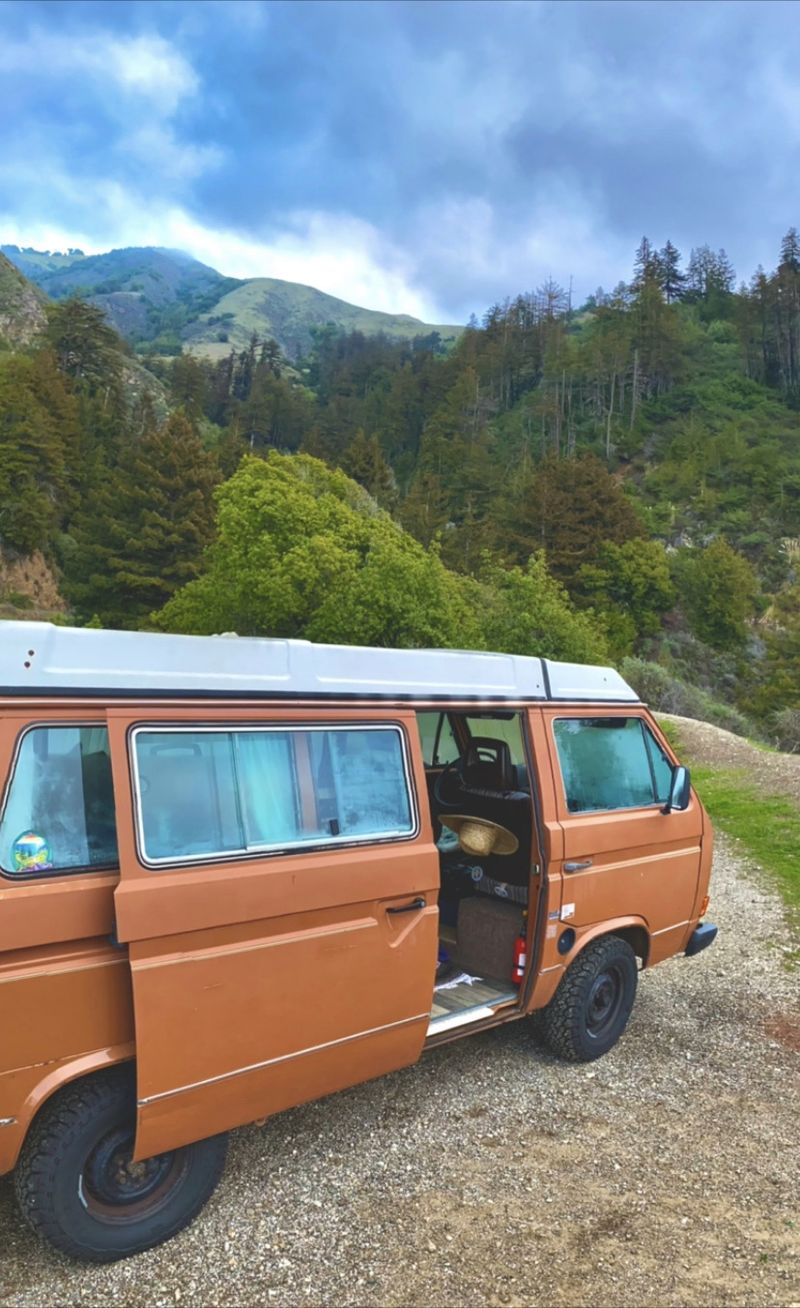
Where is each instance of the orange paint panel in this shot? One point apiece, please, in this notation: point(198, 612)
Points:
point(245, 970)
point(239, 1004)
point(22, 1092)
point(262, 1091)
point(58, 1005)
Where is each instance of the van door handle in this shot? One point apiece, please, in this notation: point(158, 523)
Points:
point(577, 867)
point(413, 907)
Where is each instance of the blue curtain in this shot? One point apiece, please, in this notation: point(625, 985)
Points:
point(267, 787)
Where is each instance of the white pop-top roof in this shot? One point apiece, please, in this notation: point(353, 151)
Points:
point(39, 658)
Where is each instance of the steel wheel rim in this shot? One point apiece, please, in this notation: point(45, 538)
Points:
point(604, 1003)
point(118, 1191)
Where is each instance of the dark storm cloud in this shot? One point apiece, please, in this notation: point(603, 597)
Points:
point(459, 151)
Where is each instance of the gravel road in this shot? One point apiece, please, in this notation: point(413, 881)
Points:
point(668, 1173)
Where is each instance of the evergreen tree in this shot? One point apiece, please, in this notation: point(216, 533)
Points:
point(33, 466)
point(790, 251)
point(670, 277)
point(363, 461)
point(189, 383)
point(646, 267)
point(143, 534)
point(87, 349)
point(572, 509)
point(718, 590)
point(424, 511)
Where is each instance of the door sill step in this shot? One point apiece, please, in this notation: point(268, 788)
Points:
point(450, 1020)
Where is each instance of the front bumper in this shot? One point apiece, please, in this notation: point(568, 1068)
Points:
point(703, 935)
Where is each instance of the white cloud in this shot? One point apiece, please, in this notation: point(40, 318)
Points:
point(156, 145)
point(332, 252)
point(470, 247)
point(141, 67)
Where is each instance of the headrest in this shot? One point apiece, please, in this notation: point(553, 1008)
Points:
point(488, 764)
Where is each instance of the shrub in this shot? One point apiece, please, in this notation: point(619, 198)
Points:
point(666, 693)
point(17, 599)
point(786, 724)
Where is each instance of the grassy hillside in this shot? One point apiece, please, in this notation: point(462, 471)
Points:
point(287, 311)
point(160, 300)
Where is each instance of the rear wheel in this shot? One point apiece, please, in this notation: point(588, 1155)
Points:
point(79, 1189)
point(590, 1010)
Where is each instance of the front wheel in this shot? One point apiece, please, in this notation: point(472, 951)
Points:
point(590, 1009)
point(79, 1190)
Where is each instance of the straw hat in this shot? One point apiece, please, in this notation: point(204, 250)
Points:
point(479, 837)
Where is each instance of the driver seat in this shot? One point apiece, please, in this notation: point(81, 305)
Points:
point(488, 768)
point(490, 789)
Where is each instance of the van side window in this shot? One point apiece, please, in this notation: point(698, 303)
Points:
point(216, 793)
point(439, 745)
point(58, 814)
point(609, 763)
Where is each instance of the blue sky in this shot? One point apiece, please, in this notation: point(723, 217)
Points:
point(413, 156)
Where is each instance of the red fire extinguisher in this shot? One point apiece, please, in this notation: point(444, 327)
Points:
point(520, 954)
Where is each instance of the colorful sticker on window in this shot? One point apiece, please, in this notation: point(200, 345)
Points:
point(31, 853)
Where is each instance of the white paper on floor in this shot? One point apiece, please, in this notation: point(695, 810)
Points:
point(461, 979)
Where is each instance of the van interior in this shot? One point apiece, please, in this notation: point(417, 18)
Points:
point(477, 776)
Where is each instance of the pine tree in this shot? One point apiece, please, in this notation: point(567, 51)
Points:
point(671, 278)
point(363, 461)
point(143, 534)
point(790, 251)
point(189, 384)
point(645, 264)
point(571, 509)
point(87, 349)
point(33, 468)
point(424, 512)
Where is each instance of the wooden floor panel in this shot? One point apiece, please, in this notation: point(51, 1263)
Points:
point(483, 991)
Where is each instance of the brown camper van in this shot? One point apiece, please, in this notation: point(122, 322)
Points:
point(237, 874)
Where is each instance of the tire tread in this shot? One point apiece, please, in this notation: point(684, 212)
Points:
point(51, 1134)
point(561, 1019)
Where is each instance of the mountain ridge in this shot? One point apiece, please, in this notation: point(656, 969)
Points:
point(165, 301)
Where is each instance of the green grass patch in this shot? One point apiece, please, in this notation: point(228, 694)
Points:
point(767, 826)
point(673, 736)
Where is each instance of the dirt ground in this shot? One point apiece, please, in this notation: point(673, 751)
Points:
point(666, 1174)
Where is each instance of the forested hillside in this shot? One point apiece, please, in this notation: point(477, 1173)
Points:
point(619, 480)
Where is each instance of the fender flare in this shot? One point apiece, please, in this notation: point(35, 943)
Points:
point(632, 928)
point(54, 1077)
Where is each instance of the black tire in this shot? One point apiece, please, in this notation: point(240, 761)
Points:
point(590, 1010)
point(76, 1189)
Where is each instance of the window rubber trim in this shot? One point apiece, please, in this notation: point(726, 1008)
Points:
point(51, 874)
point(277, 851)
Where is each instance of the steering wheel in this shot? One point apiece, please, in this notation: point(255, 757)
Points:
point(455, 767)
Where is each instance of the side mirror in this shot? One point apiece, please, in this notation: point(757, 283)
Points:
point(680, 791)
